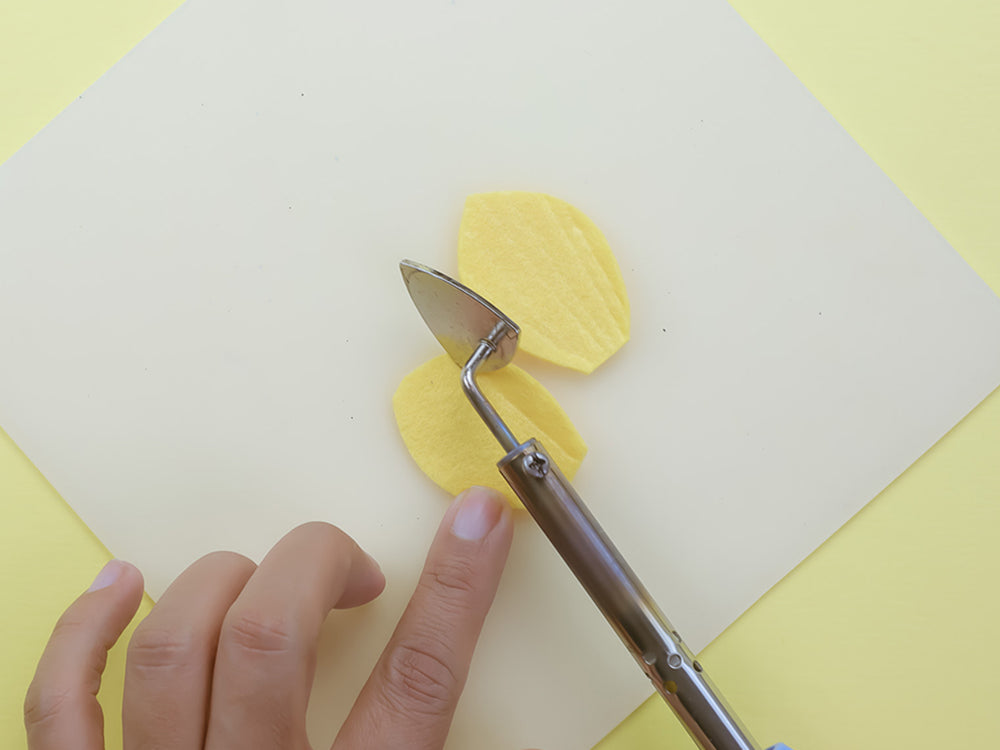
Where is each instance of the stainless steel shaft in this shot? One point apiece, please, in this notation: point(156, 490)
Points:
point(619, 594)
point(479, 337)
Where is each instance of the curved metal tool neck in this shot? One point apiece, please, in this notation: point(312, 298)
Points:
point(483, 407)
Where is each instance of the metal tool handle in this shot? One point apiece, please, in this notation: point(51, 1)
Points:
point(479, 337)
point(619, 594)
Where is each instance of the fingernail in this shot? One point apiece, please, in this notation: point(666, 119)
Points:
point(108, 575)
point(479, 510)
point(374, 562)
point(376, 576)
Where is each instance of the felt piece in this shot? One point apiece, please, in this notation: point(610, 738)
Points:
point(454, 447)
point(546, 265)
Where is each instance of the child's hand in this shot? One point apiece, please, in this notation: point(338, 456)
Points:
point(225, 660)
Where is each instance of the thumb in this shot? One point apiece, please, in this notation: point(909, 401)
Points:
point(61, 708)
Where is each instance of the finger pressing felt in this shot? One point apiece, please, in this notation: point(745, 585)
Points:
point(61, 708)
point(168, 674)
point(412, 694)
point(267, 647)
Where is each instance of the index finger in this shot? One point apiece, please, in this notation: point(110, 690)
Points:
point(413, 691)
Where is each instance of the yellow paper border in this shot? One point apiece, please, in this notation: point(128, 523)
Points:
point(882, 638)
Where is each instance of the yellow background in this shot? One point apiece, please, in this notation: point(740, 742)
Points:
point(885, 637)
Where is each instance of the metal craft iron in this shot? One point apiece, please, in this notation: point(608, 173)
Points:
point(480, 338)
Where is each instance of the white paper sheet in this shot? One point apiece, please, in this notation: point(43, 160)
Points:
point(202, 321)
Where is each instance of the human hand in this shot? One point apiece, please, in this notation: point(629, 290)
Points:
point(226, 657)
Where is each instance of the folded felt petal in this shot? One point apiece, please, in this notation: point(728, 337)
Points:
point(452, 445)
point(546, 265)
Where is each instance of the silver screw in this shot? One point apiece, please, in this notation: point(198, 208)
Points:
point(536, 465)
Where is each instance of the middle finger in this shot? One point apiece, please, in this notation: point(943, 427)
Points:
point(267, 649)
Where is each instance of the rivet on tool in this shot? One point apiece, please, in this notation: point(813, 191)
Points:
point(537, 465)
point(674, 661)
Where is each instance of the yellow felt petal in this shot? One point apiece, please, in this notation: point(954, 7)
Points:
point(548, 267)
point(452, 445)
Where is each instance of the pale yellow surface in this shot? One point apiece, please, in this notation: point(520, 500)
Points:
point(546, 265)
point(884, 637)
point(452, 445)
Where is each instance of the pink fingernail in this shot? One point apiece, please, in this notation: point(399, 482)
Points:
point(479, 510)
point(108, 575)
